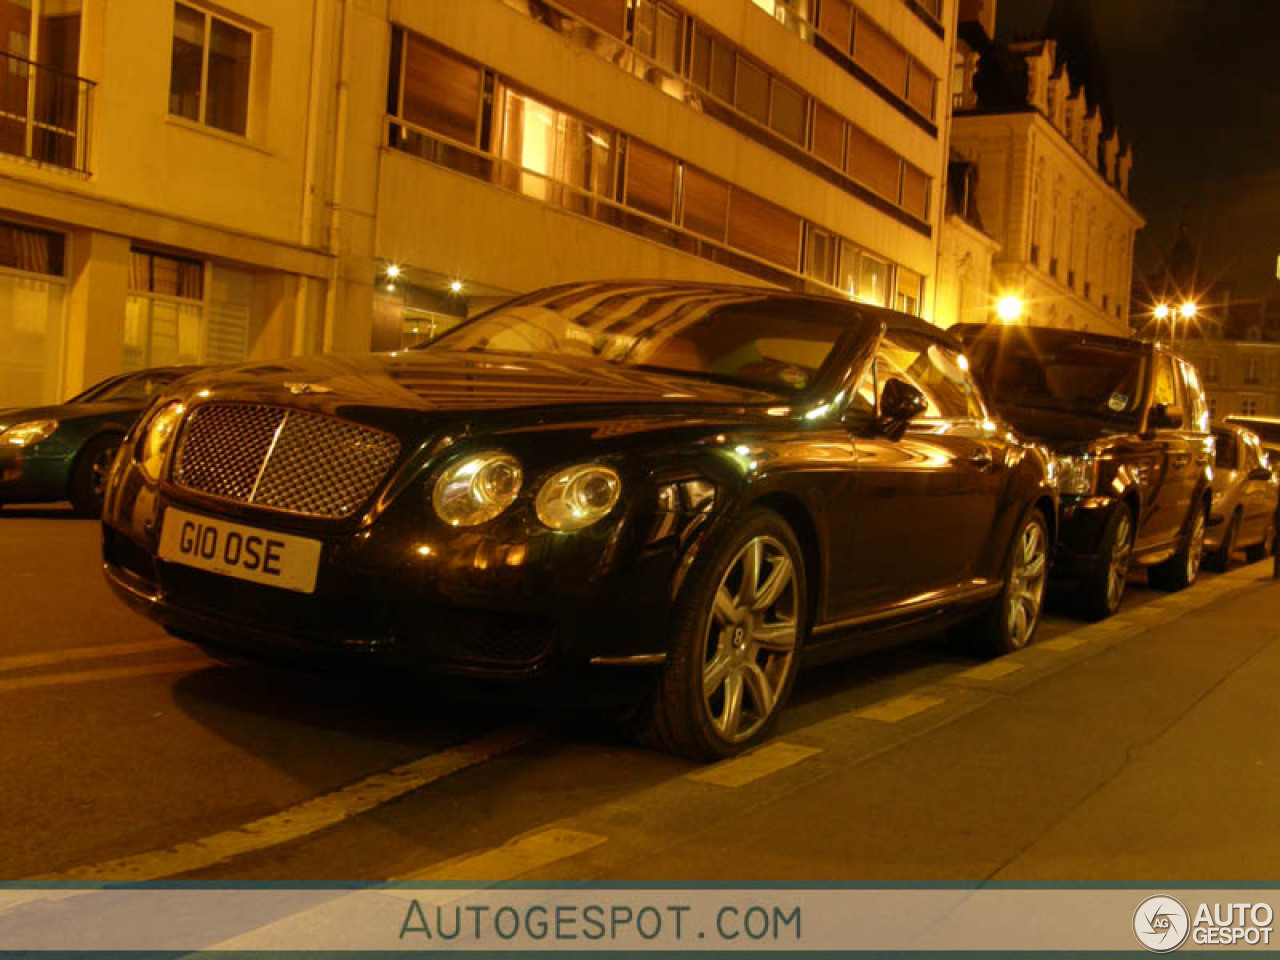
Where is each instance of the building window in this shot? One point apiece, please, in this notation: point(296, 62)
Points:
point(752, 91)
point(659, 34)
point(821, 251)
point(1253, 370)
point(548, 150)
point(713, 66)
point(608, 15)
point(1213, 408)
point(210, 74)
point(880, 55)
point(910, 292)
point(31, 250)
point(705, 209)
point(828, 136)
point(764, 229)
point(164, 314)
point(1211, 370)
point(440, 92)
point(915, 191)
point(787, 111)
point(1249, 406)
point(873, 164)
point(170, 276)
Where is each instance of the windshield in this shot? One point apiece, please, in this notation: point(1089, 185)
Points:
point(776, 343)
point(138, 386)
point(1060, 372)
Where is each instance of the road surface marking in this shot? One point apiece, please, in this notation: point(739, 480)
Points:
point(993, 670)
point(106, 673)
point(23, 661)
point(750, 767)
point(513, 859)
point(1064, 642)
point(899, 708)
point(308, 817)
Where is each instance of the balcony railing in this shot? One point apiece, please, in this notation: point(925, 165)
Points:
point(44, 114)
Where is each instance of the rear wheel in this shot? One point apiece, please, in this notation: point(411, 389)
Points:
point(1180, 570)
point(1012, 622)
point(89, 476)
point(1100, 594)
point(1220, 560)
point(738, 629)
point(1260, 551)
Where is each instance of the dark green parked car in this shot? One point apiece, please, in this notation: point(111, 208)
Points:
point(63, 452)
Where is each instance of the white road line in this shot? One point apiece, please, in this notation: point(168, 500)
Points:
point(74, 677)
point(994, 670)
point(513, 859)
point(752, 766)
point(24, 661)
point(899, 708)
point(1065, 642)
point(308, 817)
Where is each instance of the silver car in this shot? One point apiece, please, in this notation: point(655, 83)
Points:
point(1245, 491)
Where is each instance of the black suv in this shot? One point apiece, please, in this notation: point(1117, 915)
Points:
point(1128, 426)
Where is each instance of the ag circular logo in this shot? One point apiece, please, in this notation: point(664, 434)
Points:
point(1161, 924)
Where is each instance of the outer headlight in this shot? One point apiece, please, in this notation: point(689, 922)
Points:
point(477, 488)
point(159, 438)
point(1075, 475)
point(31, 432)
point(578, 497)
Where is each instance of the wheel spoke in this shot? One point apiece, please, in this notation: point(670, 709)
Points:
point(717, 668)
point(779, 578)
point(1034, 568)
point(731, 718)
point(1018, 623)
point(779, 637)
point(761, 690)
point(752, 569)
point(726, 606)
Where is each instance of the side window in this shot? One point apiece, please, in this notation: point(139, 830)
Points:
point(1197, 411)
point(1166, 393)
point(938, 371)
point(1224, 446)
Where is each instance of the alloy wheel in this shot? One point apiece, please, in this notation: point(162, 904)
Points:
point(1195, 547)
point(1121, 554)
point(1025, 593)
point(751, 638)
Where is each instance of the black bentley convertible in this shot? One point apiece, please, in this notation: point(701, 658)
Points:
point(696, 485)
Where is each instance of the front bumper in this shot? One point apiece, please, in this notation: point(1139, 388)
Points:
point(1081, 526)
point(401, 590)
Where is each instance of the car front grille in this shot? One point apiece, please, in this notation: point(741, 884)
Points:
point(282, 459)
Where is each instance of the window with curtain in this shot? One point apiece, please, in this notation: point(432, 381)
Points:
point(880, 55)
point(874, 164)
point(608, 15)
point(828, 136)
point(752, 96)
point(706, 204)
point(910, 292)
point(835, 22)
point(764, 229)
point(553, 149)
point(921, 87)
point(915, 191)
point(441, 92)
point(651, 180)
point(787, 111)
point(659, 34)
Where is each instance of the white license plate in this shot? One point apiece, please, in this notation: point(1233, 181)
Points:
point(236, 550)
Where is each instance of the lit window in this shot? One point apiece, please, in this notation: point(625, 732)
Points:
point(209, 77)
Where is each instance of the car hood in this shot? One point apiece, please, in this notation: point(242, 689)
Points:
point(1061, 432)
point(450, 381)
point(65, 412)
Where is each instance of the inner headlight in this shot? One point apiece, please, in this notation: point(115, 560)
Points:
point(477, 488)
point(31, 432)
point(1075, 475)
point(578, 497)
point(159, 438)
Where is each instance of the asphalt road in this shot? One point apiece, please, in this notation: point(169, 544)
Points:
point(1144, 747)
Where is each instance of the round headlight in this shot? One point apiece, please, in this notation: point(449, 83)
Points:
point(477, 488)
point(26, 434)
point(578, 497)
point(159, 438)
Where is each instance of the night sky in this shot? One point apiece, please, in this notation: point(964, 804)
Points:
point(1196, 90)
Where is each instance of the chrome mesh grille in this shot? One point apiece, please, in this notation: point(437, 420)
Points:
point(282, 459)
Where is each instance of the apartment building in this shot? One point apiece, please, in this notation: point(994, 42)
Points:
point(192, 182)
point(1034, 118)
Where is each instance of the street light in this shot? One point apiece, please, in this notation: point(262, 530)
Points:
point(1187, 310)
point(1009, 308)
point(1162, 311)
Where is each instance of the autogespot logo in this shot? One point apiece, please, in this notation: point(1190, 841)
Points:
point(1161, 924)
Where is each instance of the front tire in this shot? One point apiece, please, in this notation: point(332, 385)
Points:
point(1220, 560)
point(1011, 623)
point(89, 475)
point(1180, 570)
point(1099, 596)
point(738, 628)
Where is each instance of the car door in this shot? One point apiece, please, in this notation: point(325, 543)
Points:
point(1174, 479)
point(1256, 501)
point(922, 505)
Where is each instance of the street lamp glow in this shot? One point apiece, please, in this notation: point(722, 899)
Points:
point(393, 271)
point(455, 286)
point(1162, 311)
point(1009, 308)
point(1188, 310)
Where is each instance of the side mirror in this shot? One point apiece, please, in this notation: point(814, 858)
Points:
point(1164, 417)
point(900, 403)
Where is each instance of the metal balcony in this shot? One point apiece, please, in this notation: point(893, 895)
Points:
point(44, 114)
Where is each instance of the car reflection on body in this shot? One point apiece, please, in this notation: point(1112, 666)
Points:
point(63, 452)
point(692, 486)
point(1244, 498)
